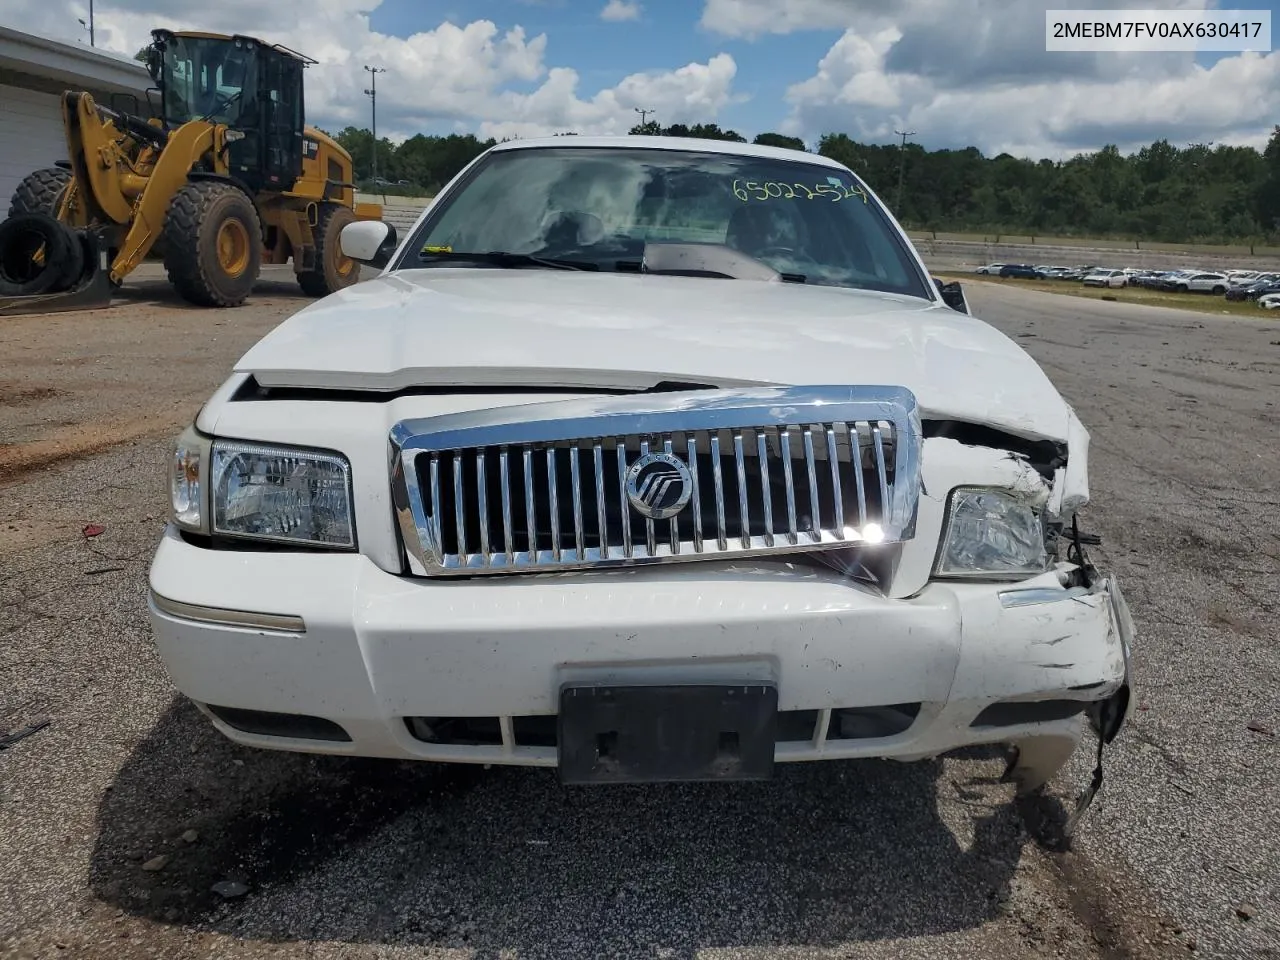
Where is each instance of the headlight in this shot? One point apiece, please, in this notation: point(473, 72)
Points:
point(190, 458)
point(992, 533)
point(282, 494)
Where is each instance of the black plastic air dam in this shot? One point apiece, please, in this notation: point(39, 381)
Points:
point(295, 726)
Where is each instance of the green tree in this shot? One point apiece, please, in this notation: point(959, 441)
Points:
point(1159, 192)
point(779, 140)
point(1266, 200)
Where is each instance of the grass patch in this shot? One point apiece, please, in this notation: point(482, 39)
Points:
point(1198, 302)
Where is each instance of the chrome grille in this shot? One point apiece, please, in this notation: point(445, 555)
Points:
point(544, 486)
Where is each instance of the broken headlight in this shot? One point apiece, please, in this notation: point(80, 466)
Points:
point(281, 494)
point(992, 534)
point(189, 459)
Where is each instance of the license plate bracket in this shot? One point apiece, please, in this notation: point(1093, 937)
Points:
point(665, 733)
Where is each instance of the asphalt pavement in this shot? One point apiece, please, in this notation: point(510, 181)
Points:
point(119, 818)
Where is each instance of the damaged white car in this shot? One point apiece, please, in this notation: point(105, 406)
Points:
point(643, 460)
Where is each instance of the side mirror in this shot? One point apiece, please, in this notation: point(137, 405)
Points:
point(369, 241)
point(952, 295)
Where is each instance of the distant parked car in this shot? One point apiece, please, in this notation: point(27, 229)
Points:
point(1215, 283)
point(1270, 301)
point(1172, 279)
point(1265, 284)
point(1145, 278)
point(990, 268)
point(1106, 278)
point(1020, 271)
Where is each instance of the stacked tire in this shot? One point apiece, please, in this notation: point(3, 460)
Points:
point(38, 254)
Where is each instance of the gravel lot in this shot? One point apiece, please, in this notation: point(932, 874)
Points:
point(1179, 857)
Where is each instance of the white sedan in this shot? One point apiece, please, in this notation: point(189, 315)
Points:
point(1269, 301)
point(1106, 278)
point(571, 485)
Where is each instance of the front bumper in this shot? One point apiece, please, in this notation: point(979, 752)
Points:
point(353, 654)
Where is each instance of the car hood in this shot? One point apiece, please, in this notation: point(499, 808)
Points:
point(578, 331)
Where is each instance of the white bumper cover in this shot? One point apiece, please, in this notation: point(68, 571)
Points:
point(372, 649)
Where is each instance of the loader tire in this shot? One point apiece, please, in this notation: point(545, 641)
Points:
point(333, 270)
point(212, 243)
point(40, 191)
point(36, 255)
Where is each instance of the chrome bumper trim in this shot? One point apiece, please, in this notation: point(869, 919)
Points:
point(251, 620)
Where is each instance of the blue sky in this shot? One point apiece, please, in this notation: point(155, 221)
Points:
point(667, 35)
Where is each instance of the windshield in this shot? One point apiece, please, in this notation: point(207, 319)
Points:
point(207, 77)
point(601, 208)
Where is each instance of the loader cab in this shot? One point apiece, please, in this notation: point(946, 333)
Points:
point(252, 87)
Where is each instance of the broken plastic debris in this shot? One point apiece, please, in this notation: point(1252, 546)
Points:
point(94, 530)
point(230, 888)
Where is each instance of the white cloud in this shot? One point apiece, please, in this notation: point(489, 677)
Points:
point(754, 18)
point(476, 76)
point(697, 90)
point(618, 10)
point(961, 74)
point(853, 92)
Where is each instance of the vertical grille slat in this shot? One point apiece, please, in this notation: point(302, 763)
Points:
point(575, 475)
point(602, 525)
point(880, 468)
point(459, 504)
point(437, 521)
point(624, 508)
point(554, 498)
point(833, 454)
point(855, 458)
point(815, 508)
point(722, 540)
point(668, 449)
point(650, 533)
point(482, 495)
point(762, 455)
point(744, 511)
point(785, 438)
point(696, 498)
point(530, 506)
point(487, 494)
point(504, 475)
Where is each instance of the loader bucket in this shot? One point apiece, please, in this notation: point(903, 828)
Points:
point(92, 291)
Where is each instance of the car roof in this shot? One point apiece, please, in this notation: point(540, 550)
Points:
point(730, 147)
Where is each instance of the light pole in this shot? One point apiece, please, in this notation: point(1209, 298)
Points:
point(902, 166)
point(89, 26)
point(372, 94)
point(644, 115)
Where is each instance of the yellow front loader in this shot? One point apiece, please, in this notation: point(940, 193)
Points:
point(226, 178)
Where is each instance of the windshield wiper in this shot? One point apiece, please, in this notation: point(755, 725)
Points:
point(637, 266)
point(501, 258)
